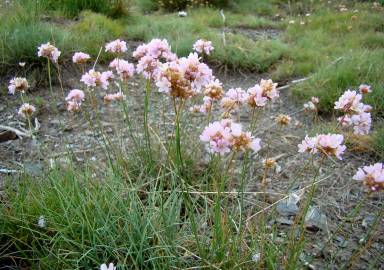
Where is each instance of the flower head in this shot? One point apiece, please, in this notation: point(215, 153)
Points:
point(361, 123)
point(217, 138)
point(233, 99)
point(119, 96)
point(26, 110)
point(123, 68)
point(80, 58)
point(269, 89)
point(269, 163)
point(109, 267)
point(365, 89)
point(49, 51)
point(157, 49)
point(327, 145)
point(255, 97)
point(315, 100)
point(225, 135)
point(214, 90)
point(349, 102)
point(283, 119)
point(148, 66)
point(199, 74)
point(372, 176)
point(41, 222)
point(116, 46)
point(18, 85)
point(74, 99)
point(203, 47)
point(310, 106)
point(95, 79)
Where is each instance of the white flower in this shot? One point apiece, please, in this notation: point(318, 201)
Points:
point(41, 222)
point(110, 267)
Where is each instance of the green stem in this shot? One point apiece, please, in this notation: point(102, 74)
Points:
point(146, 126)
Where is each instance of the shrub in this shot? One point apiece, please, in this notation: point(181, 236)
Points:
point(183, 4)
point(71, 8)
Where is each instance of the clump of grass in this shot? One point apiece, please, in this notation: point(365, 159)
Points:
point(352, 70)
point(72, 8)
point(239, 52)
point(94, 29)
point(22, 33)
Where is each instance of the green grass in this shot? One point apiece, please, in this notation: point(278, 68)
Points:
point(239, 52)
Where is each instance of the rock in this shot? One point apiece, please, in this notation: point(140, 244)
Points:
point(288, 207)
point(315, 219)
point(7, 136)
point(34, 169)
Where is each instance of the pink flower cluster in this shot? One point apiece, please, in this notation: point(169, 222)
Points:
point(372, 176)
point(18, 85)
point(203, 47)
point(183, 77)
point(356, 113)
point(225, 136)
point(119, 96)
point(26, 110)
point(325, 144)
point(49, 51)
point(74, 99)
point(123, 68)
point(80, 58)
point(151, 55)
point(116, 46)
point(97, 79)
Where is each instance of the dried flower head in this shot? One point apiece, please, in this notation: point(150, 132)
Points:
point(269, 163)
point(283, 119)
point(18, 85)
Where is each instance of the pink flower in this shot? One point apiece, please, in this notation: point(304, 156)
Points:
point(49, 51)
point(148, 66)
point(349, 102)
point(217, 138)
point(116, 46)
point(214, 89)
point(327, 145)
point(157, 49)
point(26, 110)
point(225, 135)
point(372, 176)
point(18, 84)
point(345, 120)
point(308, 145)
point(361, 123)
point(205, 108)
point(233, 99)
point(114, 97)
point(123, 68)
point(203, 46)
point(367, 108)
point(269, 89)
point(95, 79)
point(80, 58)
point(255, 97)
point(171, 80)
point(365, 89)
point(199, 74)
point(74, 99)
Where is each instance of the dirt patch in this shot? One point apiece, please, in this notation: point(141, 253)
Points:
point(255, 34)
